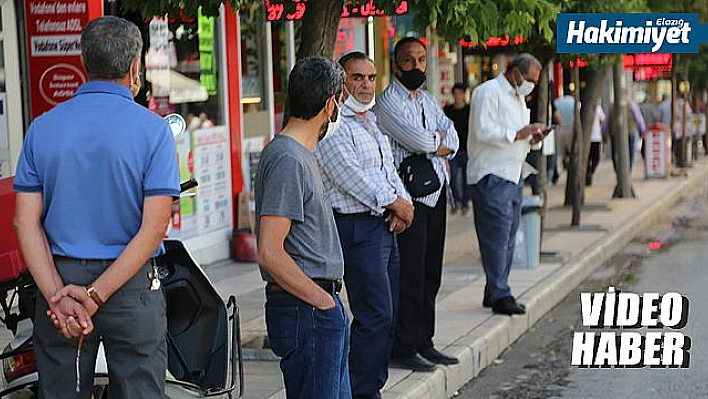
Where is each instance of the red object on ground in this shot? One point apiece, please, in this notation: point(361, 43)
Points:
point(243, 246)
point(11, 262)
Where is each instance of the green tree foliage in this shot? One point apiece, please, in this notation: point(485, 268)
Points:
point(480, 19)
point(453, 19)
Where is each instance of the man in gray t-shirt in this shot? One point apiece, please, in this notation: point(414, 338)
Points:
point(298, 246)
point(290, 176)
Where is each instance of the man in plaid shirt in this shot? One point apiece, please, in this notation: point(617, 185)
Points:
point(370, 205)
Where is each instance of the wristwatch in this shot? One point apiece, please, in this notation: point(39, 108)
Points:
point(91, 293)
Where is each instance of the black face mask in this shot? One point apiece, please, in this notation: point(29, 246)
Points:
point(412, 79)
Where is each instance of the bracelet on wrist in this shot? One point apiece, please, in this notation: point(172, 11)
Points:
point(91, 293)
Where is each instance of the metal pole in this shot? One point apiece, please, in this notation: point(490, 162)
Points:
point(270, 96)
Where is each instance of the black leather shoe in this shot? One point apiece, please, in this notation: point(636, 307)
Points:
point(413, 362)
point(508, 306)
point(487, 303)
point(437, 357)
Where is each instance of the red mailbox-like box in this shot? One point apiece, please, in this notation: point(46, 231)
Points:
point(11, 262)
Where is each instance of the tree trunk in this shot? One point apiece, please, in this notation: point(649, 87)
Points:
point(319, 28)
point(591, 96)
point(574, 182)
point(620, 142)
point(685, 94)
point(595, 80)
point(542, 117)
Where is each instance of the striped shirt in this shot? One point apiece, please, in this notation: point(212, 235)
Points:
point(412, 122)
point(357, 165)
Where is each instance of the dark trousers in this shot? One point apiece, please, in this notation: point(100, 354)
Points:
point(133, 327)
point(421, 247)
point(458, 179)
point(371, 266)
point(497, 212)
point(593, 160)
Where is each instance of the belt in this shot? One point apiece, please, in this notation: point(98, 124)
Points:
point(370, 214)
point(84, 262)
point(333, 287)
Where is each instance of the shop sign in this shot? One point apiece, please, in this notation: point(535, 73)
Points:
point(293, 10)
point(494, 41)
point(657, 61)
point(207, 68)
point(54, 47)
point(446, 79)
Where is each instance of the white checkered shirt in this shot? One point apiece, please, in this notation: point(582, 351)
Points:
point(357, 166)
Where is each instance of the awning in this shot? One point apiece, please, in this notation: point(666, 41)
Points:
point(181, 88)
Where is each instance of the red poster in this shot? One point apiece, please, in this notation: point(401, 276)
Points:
point(54, 48)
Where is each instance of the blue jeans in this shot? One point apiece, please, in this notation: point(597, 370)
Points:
point(497, 212)
point(371, 266)
point(458, 179)
point(312, 344)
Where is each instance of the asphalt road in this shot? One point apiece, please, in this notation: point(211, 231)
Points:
point(671, 256)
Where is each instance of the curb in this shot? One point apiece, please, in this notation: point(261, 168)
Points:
point(483, 344)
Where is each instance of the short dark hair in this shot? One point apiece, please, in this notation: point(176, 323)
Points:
point(402, 43)
point(312, 82)
point(459, 86)
point(108, 46)
point(352, 55)
point(523, 62)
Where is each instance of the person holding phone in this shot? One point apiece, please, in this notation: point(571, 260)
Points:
point(500, 137)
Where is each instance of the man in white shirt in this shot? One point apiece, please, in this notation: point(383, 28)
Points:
point(500, 137)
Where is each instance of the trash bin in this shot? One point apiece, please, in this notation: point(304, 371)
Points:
point(527, 252)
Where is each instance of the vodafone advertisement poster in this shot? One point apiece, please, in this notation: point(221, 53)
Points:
point(54, 48)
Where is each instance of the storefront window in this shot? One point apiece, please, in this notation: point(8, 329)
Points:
point(181, 69)
point(351, 35)
point(252, 55)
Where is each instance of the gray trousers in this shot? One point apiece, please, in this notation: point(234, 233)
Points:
point(132, 325)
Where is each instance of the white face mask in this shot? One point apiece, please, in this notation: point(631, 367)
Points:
point(525, 88)
point(332, 126)
point(357, 106)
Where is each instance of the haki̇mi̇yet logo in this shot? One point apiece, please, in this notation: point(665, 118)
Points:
point(629, 33)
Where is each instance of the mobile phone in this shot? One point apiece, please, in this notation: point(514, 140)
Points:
point(550, 128)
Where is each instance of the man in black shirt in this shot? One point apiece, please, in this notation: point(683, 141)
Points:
point(459, 113)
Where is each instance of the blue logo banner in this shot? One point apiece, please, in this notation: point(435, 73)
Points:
point(629, 33)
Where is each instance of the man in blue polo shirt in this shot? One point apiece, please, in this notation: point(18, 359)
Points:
point(95, 182)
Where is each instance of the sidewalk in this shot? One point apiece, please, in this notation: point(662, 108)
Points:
point(464, 328)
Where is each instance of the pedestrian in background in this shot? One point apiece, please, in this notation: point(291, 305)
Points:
point(500, 138)
point(564, 134)
point(298, 247)
point(459, 113)
point(96, 180)
point(636, 127)
point(370, 206)
point(415, 124)
point(595, 144)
